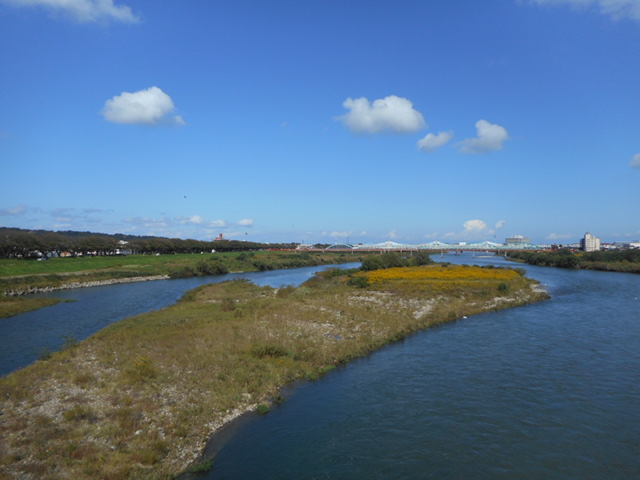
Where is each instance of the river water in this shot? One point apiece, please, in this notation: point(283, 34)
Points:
point(24, 338)
point(546, 391)
point(549, 390)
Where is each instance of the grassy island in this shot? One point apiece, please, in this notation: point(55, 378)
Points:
point(624, 261)
point(139, 399)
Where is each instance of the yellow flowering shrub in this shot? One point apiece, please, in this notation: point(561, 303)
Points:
point(440, 278)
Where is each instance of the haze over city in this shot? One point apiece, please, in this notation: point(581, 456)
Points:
point(322, 121)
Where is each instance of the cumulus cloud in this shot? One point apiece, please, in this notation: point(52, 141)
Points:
point(635, 161)
point(389, 114)
point(473, 230)
point(85, 11)
point(472, 226)
point(246, 222)
point(490, 138)
point(150, 106)
point(616, 9)
point(430, 142)
point(500, 224)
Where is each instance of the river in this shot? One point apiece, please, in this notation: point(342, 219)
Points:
point(24, 338)
point(549, 390)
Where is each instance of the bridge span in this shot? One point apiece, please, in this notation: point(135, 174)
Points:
point(433, 247)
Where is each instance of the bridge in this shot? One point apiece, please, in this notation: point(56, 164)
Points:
point(435, 246)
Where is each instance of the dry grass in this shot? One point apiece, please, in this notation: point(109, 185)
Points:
point(140, 398)
point(10, 306)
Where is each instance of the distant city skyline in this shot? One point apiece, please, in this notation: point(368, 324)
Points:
point(322, 122)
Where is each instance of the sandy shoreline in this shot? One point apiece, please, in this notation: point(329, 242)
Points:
point(93, 283)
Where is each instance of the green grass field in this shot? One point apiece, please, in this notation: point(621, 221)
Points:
point(17, 275)
point(140, 263)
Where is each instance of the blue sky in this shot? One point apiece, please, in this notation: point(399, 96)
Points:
point(311, 121)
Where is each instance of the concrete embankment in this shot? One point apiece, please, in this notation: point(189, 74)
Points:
point(93, 283)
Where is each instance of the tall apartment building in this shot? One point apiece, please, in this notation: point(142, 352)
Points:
point(590, 243)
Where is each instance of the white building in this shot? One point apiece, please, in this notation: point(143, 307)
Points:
point(590, 243)
point(517, 240)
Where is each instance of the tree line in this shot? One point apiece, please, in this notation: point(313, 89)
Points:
point(20, 243)
point(614, 260)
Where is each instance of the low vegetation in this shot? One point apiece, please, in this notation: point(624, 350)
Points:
point(10, 306)
point(140, 398)
point(22, 276)
point(627, 261)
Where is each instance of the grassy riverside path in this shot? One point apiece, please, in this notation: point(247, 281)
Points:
point(19, 276)
point(140, 399)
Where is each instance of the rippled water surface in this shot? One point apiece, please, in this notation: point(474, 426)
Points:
point(545, 391)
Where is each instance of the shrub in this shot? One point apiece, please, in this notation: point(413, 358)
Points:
point(358, 282)
point(421, 258)
point(284, 292)
point(142, 368)
point(211, 267)
point(185, 271)
point(272, 351)
point(228, 304)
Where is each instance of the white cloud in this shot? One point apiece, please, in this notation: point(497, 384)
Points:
point(85, 11)
point(246, 222)
point(560, 236)
point(389, 114)
point(473, 230)
point(393, 235)
point(635, 161)
point(217, 223)
point(616, 9)
point(10, 211)
point(472, 226)
point(150, 106)
point(336, 234)
point(430, 142)
point(500, 224)
point(147, 222)
point(192, 220)
point(490, 138)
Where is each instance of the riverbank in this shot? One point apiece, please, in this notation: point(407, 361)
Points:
point(623, 261)
point(141, 398)
point(14, 302)
point(23, 277)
